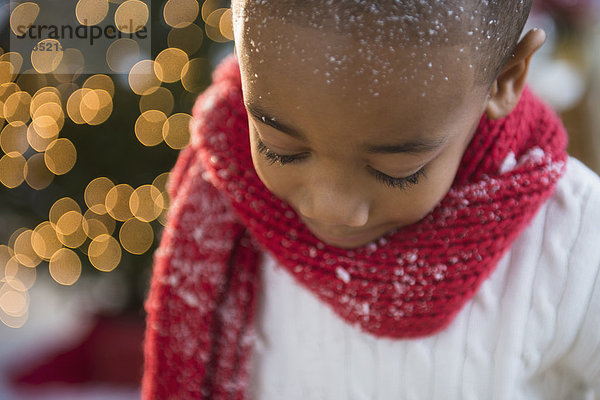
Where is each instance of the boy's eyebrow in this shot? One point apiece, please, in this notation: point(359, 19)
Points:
point(263, 116)
point(414, 146)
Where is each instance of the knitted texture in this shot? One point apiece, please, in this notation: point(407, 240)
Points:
point(409, 283)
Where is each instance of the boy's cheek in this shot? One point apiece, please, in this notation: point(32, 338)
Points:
point(427, 194)
point(279, 180)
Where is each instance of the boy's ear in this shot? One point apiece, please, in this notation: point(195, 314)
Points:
point(508, 86)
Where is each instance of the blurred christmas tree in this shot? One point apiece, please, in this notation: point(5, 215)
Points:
point(570, 14)
point(85, 156)
point(565, 72)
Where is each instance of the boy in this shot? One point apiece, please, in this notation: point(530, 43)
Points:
point(373, 88)
point(395, 218)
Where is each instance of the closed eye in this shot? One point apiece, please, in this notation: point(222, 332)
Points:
point(273, 157)
point(400, 183)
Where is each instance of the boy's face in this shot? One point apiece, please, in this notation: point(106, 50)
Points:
point(326, 117)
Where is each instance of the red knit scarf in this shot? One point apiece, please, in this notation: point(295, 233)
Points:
point(410, 283)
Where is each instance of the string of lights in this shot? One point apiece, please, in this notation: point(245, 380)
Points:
point(37, 104)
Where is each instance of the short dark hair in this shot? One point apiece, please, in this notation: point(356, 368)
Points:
point(489, 28)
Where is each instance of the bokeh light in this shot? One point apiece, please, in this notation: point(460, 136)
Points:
point(117, 202)
point(19, 276)
point(68, 223)
point(12, 166)
point(12, 322)
point(45, 127)
point(136, 236)
point(146, 203)
point(97, 224)
point(213, 25)
point(208, 6)
point(13, 302)
point(104, 253)
point(60, 156)
point(161, 182)
point(5, 72)
point(169, 63)
point(13, 138)
point(65, 267)
point(48, 60)
point(131, 16)
point(74, 105)
point(41, 132)
point(16, 107)
point(91, 12)
point(6, 90)
point(46, 95)
point(15, 235)
point(69, 229)
point(37, 174)
point(142, 77)
point(14, 306)
point(61, 207)
point(175, 130)
point(96, 106)
point(24, 251)
point(180, 13)
point(44, 240)
point(226, 24)
point(16, 61)
point(100, 81)
point(53, 111)
point(23, 16)
point(95, 194)
point(149, 126)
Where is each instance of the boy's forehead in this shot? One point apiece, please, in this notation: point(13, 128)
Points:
point(289, 53)
point(410, 28)
point(420, 23)
point(350, 93)
point(366, 17)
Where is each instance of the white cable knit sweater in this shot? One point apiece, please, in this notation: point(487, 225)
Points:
point(531, 332)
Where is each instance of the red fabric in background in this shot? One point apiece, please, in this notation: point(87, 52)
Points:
point(110, 353)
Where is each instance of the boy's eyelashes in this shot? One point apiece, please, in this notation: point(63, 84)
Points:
point(273, 157)
point(400, 183)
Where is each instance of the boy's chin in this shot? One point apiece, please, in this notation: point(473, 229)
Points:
point(346, 242)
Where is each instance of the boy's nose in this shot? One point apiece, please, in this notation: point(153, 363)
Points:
point(327, 207)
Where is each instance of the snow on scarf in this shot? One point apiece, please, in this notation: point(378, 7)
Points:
point(409, 283)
